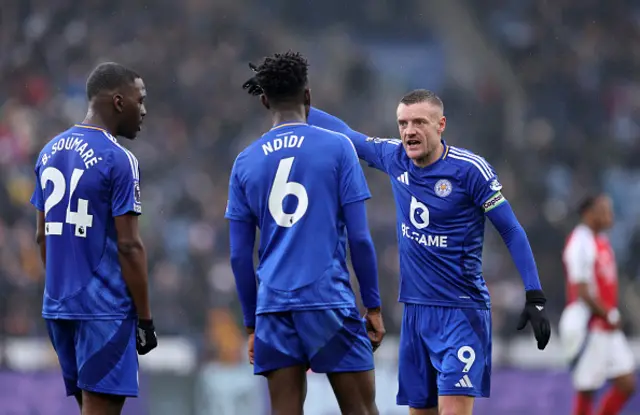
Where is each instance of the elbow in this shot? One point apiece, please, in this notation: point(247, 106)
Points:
point(361, 241)
point(240, 260)
point(129, 247)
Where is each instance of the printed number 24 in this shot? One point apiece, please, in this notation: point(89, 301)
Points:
point(81, 218)
point(280, 189)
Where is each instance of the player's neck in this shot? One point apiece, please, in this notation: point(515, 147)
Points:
point(430, 158)
point(288, 116)
point(94, 119)
point(591, 226)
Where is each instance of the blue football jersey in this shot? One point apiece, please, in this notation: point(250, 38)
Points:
point(440, 212)
point(84, 179)
point(292, 183)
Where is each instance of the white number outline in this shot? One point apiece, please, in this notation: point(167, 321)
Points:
point(80, 218)
point(282, 188)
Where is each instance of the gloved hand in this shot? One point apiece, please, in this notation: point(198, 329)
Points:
point(251, 85)
point(146, 339)
point(534, 312)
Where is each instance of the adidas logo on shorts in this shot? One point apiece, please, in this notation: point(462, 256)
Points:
point(465, 382)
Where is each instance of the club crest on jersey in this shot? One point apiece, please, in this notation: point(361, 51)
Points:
point(495, 185)
point(443, 188)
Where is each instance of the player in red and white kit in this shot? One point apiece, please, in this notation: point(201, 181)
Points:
point(590, 324)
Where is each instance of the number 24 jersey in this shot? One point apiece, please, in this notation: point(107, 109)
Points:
point(85, 178)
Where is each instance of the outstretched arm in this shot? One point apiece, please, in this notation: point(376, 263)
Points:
point(375, 151)
point(485, 190)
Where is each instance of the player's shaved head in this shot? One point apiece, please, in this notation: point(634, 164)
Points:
point(418, 96)
point(283, 78)
point(108, 77)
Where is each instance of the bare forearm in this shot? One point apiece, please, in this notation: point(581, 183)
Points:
point(594, 305)
point(133, 261)
point(42, 244)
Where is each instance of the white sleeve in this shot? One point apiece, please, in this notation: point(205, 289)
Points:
point(580, 257)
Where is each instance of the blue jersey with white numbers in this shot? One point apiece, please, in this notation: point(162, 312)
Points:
point(440, 211)
point(84, 179)
point(292, 183)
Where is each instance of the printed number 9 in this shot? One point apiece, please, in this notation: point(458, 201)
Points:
point(467, 356)
point(282, 188)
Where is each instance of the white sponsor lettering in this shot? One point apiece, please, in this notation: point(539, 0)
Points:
point(440, 241)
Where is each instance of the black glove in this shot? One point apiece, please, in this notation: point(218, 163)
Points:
point(535, 313)
point(146, 339)
point(251, 85)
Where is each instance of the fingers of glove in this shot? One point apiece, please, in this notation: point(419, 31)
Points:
point(524, 318)
point(545, 334)
point(253, 67)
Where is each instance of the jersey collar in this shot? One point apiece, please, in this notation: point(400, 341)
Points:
point(444, 155)
point(90, 127)
point(288, 124)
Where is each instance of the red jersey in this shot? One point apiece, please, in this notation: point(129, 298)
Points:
point(589, 258)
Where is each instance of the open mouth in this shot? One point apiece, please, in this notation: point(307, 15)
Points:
point(412, 143)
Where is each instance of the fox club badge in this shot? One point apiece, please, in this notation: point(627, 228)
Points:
point(443, 188)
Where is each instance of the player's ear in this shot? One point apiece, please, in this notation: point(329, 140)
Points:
point(118, 102)
point(442, 124)
point(265, 101)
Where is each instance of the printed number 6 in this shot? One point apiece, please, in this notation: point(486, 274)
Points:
point(282, 188)
point(467, 356)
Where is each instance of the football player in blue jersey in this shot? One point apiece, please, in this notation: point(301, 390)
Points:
point(87, 196)
point(303, 187)
point(442, 195)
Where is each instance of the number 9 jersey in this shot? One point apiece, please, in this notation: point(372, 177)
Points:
point(84, 179)
point(292, 183)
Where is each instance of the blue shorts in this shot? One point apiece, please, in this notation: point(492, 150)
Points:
point(443, 351)
point(97, 355)
point(327, 341)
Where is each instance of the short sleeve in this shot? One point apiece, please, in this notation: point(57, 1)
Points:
point(353, 185)
point(125, 183)
point(237, 204)
point(481, 179)
point(37, 198)
point(580, 257)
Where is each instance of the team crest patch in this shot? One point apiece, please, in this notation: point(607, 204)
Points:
point(495, 185)
point(443, 188)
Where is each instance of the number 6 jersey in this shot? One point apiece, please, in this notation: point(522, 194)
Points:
point(84, 179)
point(292, 183)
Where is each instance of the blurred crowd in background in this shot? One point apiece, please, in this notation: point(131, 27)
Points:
point(578, 63)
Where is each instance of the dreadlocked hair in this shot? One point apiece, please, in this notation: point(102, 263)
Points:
point(283, 76)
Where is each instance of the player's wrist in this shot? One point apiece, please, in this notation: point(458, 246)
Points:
point(374, 310)
point(145, 316)
point(535, 297)
point(250, 330)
